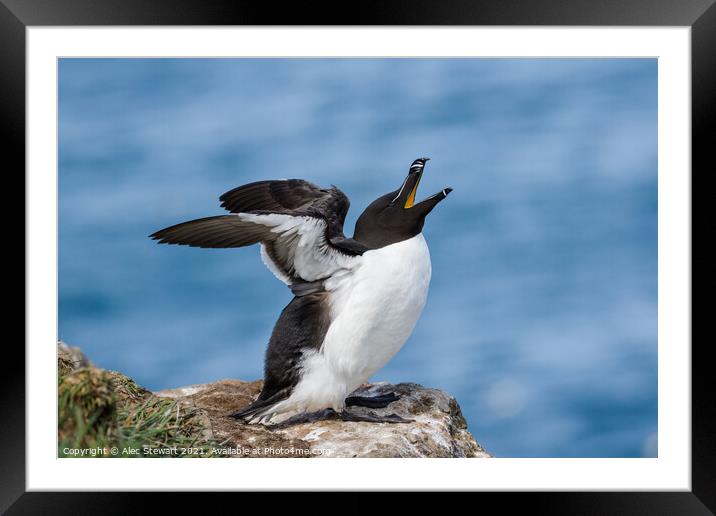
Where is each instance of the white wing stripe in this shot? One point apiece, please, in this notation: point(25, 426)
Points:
point(269, 263)
point(302, 239)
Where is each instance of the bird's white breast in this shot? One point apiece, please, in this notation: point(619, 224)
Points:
point(374, 308)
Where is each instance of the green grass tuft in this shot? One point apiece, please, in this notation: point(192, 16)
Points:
point(105, 411)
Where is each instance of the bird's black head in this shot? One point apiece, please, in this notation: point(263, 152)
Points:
point(395, 217)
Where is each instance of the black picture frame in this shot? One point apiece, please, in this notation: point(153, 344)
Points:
point(700, 15)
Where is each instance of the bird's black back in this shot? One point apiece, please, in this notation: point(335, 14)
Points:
point(301, 328)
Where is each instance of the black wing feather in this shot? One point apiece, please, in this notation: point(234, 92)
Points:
point(292, 197)
point(277, 196)
point(212, 232)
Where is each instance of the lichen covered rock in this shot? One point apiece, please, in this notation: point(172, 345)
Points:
point(438, 428)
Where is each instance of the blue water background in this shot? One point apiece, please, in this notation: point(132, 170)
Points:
point(542, 313)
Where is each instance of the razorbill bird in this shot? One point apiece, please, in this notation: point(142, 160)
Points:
point(356, 300)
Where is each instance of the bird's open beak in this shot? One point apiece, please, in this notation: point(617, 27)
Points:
point(410, 188)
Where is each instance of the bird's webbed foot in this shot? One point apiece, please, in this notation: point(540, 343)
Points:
point(331, 415)
point(380, 401)
point(372, 418)
point(306, 417)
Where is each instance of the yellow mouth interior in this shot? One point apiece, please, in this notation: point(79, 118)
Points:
point(411, 198)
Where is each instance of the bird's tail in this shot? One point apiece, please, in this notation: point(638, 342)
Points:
point(260, 409)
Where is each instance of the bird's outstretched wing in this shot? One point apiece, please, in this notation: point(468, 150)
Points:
point(298, 224)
